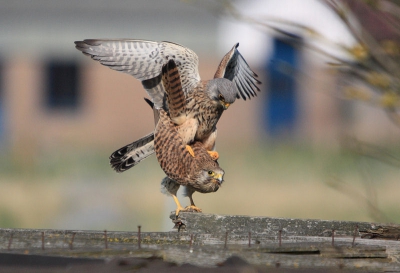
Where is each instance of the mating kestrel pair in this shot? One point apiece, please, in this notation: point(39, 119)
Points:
point(188, 165)
point(203, 101)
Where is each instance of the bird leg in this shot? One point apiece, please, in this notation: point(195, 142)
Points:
point(214, 155)
point(178, 205)
point(190, 150)
point(192, 205)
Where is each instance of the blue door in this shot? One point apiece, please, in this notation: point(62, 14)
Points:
point(281, 111)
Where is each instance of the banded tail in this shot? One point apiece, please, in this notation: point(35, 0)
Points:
point(132, 154)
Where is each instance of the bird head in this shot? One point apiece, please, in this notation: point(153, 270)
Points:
point(216, 176)
point(210, 180)
point(222, 91)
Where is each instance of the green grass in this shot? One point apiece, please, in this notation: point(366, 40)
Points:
point(78, 189)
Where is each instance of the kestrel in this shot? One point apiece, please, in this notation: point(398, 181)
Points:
point(205, 100)
point(190, 166)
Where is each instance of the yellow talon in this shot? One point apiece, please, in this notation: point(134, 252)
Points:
point(190, 150)
point(193, 208)
point(214, 155)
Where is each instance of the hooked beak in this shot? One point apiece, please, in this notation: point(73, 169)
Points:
point(219, 178)
point(226, 105)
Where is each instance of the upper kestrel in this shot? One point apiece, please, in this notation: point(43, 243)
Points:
point(205, 100)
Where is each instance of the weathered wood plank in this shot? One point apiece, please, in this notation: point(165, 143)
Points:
point(209, 240)
point(211, 223)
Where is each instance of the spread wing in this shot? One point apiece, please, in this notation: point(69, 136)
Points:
point(234, 67)
point(144, 60)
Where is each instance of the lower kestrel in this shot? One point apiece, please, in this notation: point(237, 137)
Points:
point(188, 165)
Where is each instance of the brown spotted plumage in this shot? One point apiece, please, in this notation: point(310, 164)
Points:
point(200, 172)
point(205, 100)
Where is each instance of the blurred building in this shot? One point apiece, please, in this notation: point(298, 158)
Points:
point(304, 96)
point(53, 97)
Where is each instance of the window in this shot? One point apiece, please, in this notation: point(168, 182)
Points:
point(62, 85)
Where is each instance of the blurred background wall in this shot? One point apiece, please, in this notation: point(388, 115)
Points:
point(62, 114)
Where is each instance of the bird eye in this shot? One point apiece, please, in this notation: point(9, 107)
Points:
point(221, 97)
point(210, 172)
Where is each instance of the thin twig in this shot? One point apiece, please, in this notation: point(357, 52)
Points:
point(71, 243)
point(10, 241)
point(249, 239)
point(42, 240)
point(105, 239)
point(226, 239)
point(139, 236)
point(354, 235)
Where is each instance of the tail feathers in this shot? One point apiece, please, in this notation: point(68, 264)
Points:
point(132, 154)
point(149, 102)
